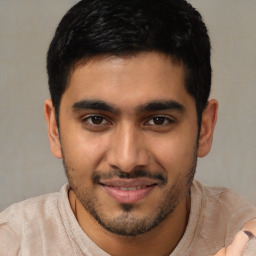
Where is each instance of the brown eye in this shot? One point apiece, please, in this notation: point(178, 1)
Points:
point(159, 120)
point(95, 120)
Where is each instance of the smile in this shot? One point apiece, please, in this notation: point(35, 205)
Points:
point(132, 188)
point(128, 192)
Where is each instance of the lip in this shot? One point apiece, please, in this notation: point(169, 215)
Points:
point(128, 191)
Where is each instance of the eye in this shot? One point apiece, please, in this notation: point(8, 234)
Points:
point(95, 120)
point(159, 120)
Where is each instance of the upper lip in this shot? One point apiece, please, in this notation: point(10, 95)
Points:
point(127, 183)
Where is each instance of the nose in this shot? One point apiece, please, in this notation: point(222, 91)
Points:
point(127, 150)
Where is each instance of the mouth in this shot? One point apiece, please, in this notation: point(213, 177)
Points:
point(128, 191)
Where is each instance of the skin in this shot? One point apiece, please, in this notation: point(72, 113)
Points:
point(126, 138)
point(237, 247)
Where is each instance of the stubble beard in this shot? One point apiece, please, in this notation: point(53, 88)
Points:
point(127, 224)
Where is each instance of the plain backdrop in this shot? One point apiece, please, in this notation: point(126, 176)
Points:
point(27, 166)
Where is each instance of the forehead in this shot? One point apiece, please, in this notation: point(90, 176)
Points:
point(128, 81)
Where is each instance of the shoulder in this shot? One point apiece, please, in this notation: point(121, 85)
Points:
point(223, 210)
point(10, 242)
point(224, 200)
point(29, 209)
point(26, 220)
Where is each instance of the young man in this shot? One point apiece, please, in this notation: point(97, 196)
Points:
point(129, 115)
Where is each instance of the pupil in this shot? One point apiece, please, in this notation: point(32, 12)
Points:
point(97, 119)
point(159, 120)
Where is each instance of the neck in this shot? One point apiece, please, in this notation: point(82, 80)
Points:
point(162, 240)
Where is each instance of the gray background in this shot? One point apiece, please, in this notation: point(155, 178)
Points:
point(26, 28)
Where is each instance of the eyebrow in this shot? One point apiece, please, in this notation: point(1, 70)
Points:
point(161, 105)
point(95, 105)
point(148, 107)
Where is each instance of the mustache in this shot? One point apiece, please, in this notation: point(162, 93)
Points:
point(97, 176)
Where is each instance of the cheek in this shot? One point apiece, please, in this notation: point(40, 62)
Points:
point(84, 152)
point(174, 153)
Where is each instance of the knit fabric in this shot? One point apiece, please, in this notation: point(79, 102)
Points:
point(46, 225)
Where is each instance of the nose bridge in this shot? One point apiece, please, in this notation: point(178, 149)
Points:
point(127, 151)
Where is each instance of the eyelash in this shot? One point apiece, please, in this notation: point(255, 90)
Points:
point(104, 122)
point(166, 120)
point(95, 116)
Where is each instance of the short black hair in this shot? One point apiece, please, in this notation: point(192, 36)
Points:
point(127, 27)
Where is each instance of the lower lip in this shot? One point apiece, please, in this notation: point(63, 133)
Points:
point(128, 196)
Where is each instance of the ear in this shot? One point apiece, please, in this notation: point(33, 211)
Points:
point(209, 118)
point(53, 131)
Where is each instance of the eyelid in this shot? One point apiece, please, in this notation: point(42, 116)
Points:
point(87, 117)
point(167, 118)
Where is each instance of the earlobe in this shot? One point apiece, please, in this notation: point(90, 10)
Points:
point(209, 118)
point(53, 131)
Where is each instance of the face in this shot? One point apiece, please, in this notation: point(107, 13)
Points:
point(128, 138)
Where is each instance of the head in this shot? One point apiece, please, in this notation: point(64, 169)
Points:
point(129, 82)
point(94, 28)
